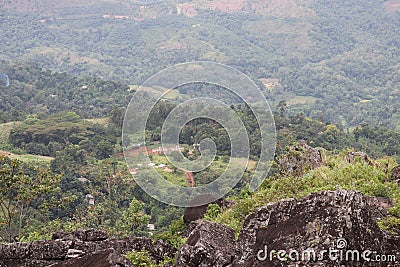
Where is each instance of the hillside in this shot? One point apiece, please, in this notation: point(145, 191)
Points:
point(320, 51)
point(330, 70)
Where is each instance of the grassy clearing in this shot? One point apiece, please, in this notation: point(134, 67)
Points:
point(5, 129)
point(101, 121)
point(302, 100)
point(32, 158)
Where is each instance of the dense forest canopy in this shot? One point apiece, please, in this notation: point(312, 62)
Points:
point(327, 55)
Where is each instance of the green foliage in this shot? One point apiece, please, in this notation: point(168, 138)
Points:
point(142, 258)
point(54, 133)
point(337, 174)
point(49, 93)
point(174, 234)
point(390, 224)
point(25, 192)
point(132, 220)
point(213, 210)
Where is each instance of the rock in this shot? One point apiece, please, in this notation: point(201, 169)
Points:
point(299, 159)
point(74, 253)
point(209, 244)
point(82, 235)
point(102, 258)
point(78, 245)
point(195, 213)
point(40, 250)
point(396, 174)
point(379, 206)
point(322, 221)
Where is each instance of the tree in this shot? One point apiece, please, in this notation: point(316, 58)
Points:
point(133, 219)
point(23, 191)
point(117, 116)
point(104, 149)
point(282, 107)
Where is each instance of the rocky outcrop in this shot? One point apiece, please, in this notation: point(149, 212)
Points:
point(337, 228)
point(379, 206)
point(329, 228)
point(208, 244)
point(300, 158)
point(396, 175)
point(80, 246)
point(331, 220)
point(197, 212)
point(103, 258)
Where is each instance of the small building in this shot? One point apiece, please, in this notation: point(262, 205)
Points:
point(83, 180)
point(90, 198)
point(269, 82)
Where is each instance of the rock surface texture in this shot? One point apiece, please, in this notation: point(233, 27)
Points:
point(80, 248)
point(329, 228)
point(396, 174)
point(338, 222)
point(300, 158)
point(208, 244)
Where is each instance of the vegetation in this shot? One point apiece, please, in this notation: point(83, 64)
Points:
point(25, 194)
point(321, 62)
point(336, 174)
point(73, 67)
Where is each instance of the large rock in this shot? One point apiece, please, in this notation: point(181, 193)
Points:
point(80, 245)
point(39, 253)
point(396, 175)
point(209, 244)
point(103, 258)
point(197, 212)
point(300, 158)
point(82, 235)
point(325, 221)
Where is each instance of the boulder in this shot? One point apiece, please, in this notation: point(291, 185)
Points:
point(102, 258)
point(82, 235)
point(80, 245)
point(209, 244)
point(325, 221)
point(300, 158)
point(197, 212)
point(396, 174)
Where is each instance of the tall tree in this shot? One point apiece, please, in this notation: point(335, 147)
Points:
point(23, 191)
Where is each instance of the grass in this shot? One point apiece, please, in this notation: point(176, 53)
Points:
point(101, 121)
point(5, 129)
point(168, 93)
point(32, 158)
point(302, 100)
point(337, 173)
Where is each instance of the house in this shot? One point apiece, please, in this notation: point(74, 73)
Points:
point(90, 198)
point(269, 82)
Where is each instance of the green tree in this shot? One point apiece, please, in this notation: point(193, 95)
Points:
point(22, 193)
point(133, 220)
